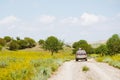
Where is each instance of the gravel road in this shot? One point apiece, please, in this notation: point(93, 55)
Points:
point(72, 70)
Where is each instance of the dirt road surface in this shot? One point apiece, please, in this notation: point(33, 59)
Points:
point(72, 70)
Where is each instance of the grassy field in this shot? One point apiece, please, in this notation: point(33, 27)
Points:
point(30, 65)
point(37, 64)
point(111, 60)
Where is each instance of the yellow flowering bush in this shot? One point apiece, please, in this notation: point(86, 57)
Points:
point(30, 65)
point(113, 60)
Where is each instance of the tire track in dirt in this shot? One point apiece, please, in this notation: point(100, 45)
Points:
point(72, 70)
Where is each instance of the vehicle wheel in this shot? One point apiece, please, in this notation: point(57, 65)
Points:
point(85, 59)
point(76, 59)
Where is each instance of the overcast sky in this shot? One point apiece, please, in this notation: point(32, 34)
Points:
point(68, 20)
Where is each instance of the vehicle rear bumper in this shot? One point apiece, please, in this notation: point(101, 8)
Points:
point(81, 57)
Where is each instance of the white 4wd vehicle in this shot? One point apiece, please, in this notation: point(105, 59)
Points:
point(81, 55)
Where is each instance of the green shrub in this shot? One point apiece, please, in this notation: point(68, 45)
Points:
point(85, 69)
point(1, 48)
point(42, 73)
point(94, 55)
point(7, 38)
point(2, 42)
point(102, 50)
point(41, 42)
point(54, 67)
point(31, 42)
point(113, 60)
point(3, 64)
point(107, 59)
point(14, 45)
point(115, 64)
point(99, 59)
point(22, 44)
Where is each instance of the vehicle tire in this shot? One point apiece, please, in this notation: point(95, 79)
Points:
point(76, 59)
point(85, 59)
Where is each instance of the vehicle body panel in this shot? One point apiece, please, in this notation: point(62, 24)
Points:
point(80, 55)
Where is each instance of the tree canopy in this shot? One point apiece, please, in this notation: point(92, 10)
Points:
point(13, 45)
point(2, 42)
point(53, 44)
point(82, 44)
point(113, 44)
point(102, 50)
point(7, 38)
point(31, 42)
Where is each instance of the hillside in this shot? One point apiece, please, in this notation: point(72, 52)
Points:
point(97, 43)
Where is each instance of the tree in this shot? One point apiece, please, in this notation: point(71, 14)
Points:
point(31, 42)
point(113, 44)
point(90, 49)
point(75, 45)
point(14, 45)
point(41, 42)
point(18, 38)
point(2, 42)
point(102, 50)
point(82, 44)
point(60, 45)
point(53, 44)
point(22, 44)
point(7, 38)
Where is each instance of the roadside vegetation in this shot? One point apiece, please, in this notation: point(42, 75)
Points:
point(24, 65)
point(85, 69)
point(82, 44)
point(52, 44)
point(108, 52)
point(17, 63)
point(113, 60)
point(10, 43)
